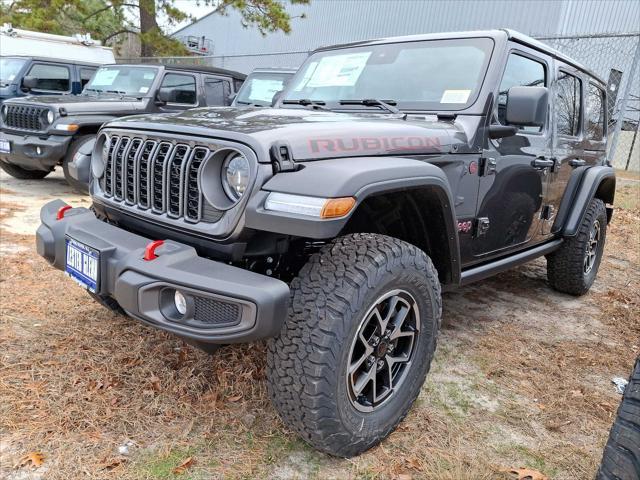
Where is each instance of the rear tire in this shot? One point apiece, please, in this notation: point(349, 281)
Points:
point(22, 173)
point(357, 344)
point(573, 267)
point(76, 144)
point(621, 458)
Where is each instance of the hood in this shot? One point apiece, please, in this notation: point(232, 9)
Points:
point(85, 104)
point(309, 134)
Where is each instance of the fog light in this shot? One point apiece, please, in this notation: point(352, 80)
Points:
point(181, 302)
point(38, 151)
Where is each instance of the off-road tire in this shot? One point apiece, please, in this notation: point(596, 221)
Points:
point(565, 266)
point(307, 362)
point(22, 173)
point(621, 458)
point(76, 144)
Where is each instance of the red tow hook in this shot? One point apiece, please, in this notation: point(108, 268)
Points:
point(150, 250)
point(62, 211)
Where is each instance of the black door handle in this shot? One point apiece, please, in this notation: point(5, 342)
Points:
point(576, 162)
point(543, 162)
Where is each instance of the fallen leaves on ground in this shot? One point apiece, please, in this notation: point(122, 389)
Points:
point(33, 459)
point(183, 467)
point(524, 473)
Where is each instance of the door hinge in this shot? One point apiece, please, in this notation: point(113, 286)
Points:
point(487, 166)
point(482, 226)
point(282, 158)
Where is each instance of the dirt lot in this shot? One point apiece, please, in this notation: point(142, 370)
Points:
point(522, 377)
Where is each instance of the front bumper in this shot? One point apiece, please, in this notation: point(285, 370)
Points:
point(236, 305)
point(24, 150)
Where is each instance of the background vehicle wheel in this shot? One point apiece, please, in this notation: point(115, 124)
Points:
point(621, 458)
point(22, 173)
point(357, 344)
point(573, 267)
point(76, 145)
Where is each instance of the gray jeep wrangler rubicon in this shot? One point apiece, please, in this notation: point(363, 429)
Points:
point(328, 226)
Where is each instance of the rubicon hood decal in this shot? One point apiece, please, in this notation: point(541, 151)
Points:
point(313, 135)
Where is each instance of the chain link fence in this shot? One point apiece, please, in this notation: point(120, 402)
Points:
point(614, 57)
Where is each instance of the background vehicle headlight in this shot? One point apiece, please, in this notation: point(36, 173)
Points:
point(235, 175)
point(4, 112)
point(50, 117)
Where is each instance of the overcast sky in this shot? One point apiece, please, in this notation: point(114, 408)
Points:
point(190, 7)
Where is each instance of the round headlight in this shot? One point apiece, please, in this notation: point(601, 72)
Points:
point(50, 117)
point(235, 175)
point(99, 156)
point(4, 112)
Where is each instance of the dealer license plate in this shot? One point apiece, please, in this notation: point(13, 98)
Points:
point(83, 264)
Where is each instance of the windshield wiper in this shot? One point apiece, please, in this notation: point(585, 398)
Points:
point(387, 105)
point(92, 90)
point(117, 92)
point(305, 102)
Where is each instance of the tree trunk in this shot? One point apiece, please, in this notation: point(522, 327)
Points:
point(148, 25)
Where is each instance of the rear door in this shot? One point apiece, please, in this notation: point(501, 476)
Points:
point(569, 139)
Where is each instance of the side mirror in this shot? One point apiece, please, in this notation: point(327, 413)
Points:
point(29, 82)
point(276, 97)
point(527, 106)
point(165, 95)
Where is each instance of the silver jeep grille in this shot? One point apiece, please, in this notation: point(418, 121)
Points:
point(25, 117)
point(158, 176)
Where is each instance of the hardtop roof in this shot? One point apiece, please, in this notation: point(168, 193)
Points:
point(189, 68)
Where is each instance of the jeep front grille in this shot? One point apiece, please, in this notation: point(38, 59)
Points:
point(25, 117)
point(158, 176)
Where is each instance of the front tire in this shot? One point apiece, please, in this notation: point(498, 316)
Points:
point(22, 173)
point(573, 267)
point(357, 344)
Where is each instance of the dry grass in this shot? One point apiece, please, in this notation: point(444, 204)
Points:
point(521, 377)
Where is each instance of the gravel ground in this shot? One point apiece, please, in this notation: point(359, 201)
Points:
point(521, 378)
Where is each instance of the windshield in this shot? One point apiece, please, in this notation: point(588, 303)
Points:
point(431, 75)
point(260, 87)
point(9, 69)
point(134, 81)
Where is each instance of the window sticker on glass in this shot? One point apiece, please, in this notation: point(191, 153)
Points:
point(264, 89)
point(105, 77)
point(143, 90)
point(455, 96)
point(339, 70)
point(149, 75)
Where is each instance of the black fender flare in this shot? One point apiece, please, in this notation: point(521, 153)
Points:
point(360, 178)
point(585, 184)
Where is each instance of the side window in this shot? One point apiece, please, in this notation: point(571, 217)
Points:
point(50, 77)
point(520, 71)
point(86, 74)
point(595, 113)
point(568, 104)
point(217, 91)
point(184, 87)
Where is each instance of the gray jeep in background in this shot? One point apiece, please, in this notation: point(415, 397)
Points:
point(329, 226)
point(38, 133)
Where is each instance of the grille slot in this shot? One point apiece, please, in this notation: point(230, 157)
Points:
point(158, 176)
point(25, 117)
point(215, 312)
point(175, 183)
point(129, 179)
